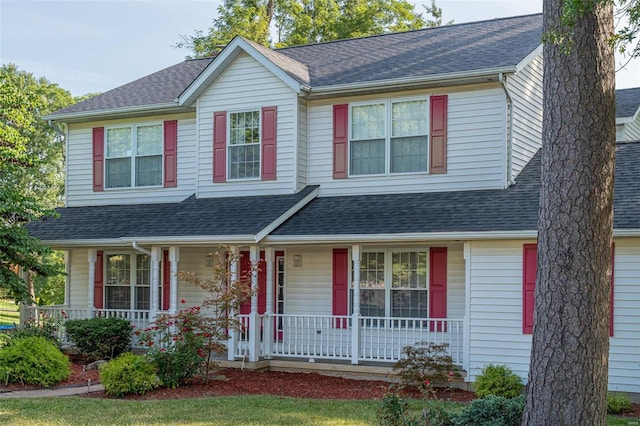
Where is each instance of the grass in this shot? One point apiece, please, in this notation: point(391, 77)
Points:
point(9, 312)
point(245, 410)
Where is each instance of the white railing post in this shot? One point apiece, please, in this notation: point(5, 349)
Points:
point(355, 317)
point(233, 277)
point(269, 319)
point(91, 257)
point(254, 323)
point(156, 257)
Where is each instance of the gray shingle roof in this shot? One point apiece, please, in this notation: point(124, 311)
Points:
point(432, 51)
point(429, 52)
point(627, 102)
point(192, 217)
point(160, 87)
point(512, 209)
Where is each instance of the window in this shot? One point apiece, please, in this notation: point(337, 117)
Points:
point(128, 281)
point(394, 283)
point(244, 145)
point(134, 156)
point(389, 137)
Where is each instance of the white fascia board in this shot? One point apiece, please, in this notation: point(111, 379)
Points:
point(63, 244)
point(408, 237)
point(220, 64)
point(530, 57)
point(492, 74)
point(193, 240)
point(286, 215)
point(116, 112)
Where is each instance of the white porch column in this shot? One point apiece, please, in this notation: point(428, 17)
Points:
point(269, 320)
point(174, 258)
point(233, 277)
point(355, 317)
point(254, 320)
point(156, 258)
point(91, 257)
point(67, 279)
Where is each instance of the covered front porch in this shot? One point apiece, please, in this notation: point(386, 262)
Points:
point(304, 305)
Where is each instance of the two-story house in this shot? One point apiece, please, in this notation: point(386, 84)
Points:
point(387, 185)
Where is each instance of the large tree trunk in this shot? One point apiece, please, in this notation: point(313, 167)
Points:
point(568, 374)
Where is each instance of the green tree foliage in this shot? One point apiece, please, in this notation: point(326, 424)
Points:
point(297, 22)
point(31, 173)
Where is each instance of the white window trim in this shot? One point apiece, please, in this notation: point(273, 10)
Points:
point(388, 275)
point(228, 145)
point(132, 279)
point(388, 128)
point(133, 156)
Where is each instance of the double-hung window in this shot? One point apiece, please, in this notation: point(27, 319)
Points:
point(127, 281)
point(394, 283)
point(389, 137)
point(244, 145)
point(133, 156)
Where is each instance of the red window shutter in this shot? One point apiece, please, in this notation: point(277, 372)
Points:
point(613, 252)
point(98, 282)
point(340, 141)
point(340, 288)
point(269, 130)
point(438, 285)
point(529, 271)
point(166, 280)
point(438, 133)
point(170, 153)
point(98, 159)
point(220, 146)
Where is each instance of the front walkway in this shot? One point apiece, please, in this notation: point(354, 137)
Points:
point(53, 392)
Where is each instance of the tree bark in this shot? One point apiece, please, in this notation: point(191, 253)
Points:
point(568, 374)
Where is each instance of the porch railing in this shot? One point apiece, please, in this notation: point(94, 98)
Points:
point(332, 337)
point(56, 316)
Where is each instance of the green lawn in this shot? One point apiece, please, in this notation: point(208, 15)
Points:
point(9, 312)
point(241, 410)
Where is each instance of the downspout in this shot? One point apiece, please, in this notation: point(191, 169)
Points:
point(140, 249)
point(509, 134)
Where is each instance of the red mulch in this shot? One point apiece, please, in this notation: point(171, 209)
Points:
point(249, 382)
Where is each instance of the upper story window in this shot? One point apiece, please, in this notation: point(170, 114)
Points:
point(389, 137)
point(133, 156)
point(244, 145)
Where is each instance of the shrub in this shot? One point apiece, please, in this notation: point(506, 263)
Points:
point(100, 338)
point(177, 345)
point(34, 361)
point(617, 403)
point(491, 411)
point(129, 373)
point(425, 364)
point(395, 412)
point(498, 380)
point(31, 329)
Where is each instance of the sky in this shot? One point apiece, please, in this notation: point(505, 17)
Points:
point(88, 46)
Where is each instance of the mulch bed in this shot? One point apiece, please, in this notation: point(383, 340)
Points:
point(229, 382)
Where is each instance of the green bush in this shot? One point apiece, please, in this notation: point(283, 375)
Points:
point(100, 338)
point(491, 411)
point(34, 361)
point(129, 373)
point(498, 380)
point(31, 329)
point(617, 403)
point(394, 411)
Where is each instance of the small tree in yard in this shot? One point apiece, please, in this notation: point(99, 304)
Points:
point(181, 345)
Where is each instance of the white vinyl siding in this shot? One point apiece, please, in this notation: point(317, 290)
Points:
point(80, 167)
point(475, 148)
point(632, 130)
point(495, 313)
point(248, 86)
point(525, 88)
point(302, 145)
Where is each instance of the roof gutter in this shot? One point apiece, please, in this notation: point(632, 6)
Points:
point(136, 247)
point(116, 112)
point(492, 74)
